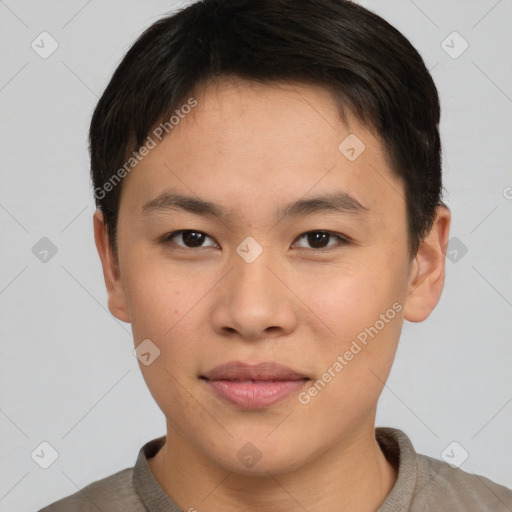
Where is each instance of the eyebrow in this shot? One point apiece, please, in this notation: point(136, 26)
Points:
point(335, 202)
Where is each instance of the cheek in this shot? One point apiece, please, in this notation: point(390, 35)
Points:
point(165, 307)
point(361, 303)
point(157, 295)
point(351, 296)
point(355, 361)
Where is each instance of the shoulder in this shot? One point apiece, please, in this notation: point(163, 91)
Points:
point(443, 487)
point(424, 483)
point(114, 493)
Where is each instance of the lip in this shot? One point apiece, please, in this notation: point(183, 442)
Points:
point(265, 371)
point(254, 386)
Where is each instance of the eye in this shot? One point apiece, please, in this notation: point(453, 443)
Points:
point(323, 239)
point(188, 239)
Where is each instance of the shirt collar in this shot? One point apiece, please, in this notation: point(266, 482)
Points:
point(395, 445)
point(400, 452)
point(152, 495)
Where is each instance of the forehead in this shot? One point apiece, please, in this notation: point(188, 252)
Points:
point(265, 142)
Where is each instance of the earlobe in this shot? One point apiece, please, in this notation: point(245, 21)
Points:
point(116, 294)
point(428, 270)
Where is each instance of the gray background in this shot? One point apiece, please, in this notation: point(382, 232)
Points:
point(68, 375)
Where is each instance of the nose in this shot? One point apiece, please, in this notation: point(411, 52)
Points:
point(254, 302)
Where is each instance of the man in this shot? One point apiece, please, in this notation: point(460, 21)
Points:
point(268, 183)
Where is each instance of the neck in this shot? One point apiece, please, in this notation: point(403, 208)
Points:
point(352, 475)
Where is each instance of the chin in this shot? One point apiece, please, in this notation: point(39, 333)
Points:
point(259, 459)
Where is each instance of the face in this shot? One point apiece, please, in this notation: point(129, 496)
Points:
point(253, 234)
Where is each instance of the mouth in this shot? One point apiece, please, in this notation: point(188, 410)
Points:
point(253, 386)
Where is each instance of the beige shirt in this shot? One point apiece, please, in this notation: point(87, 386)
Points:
point(423, 484)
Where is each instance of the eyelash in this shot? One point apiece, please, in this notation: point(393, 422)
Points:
point(342, 239)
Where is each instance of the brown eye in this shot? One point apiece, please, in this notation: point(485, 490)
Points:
point(322, 239)
point(318, 239)
point(188, 239)
point(193, 238)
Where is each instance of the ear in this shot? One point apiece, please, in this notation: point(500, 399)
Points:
point(117, 303)
point(426, 280)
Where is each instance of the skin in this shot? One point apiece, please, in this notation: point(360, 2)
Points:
point(252, 149)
